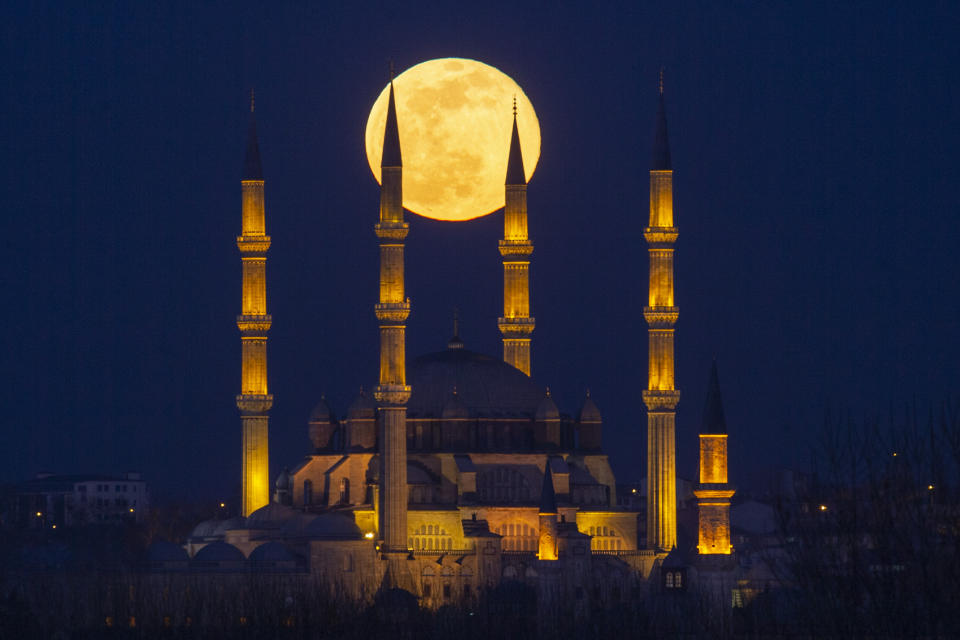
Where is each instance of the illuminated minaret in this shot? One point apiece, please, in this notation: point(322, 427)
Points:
point(661, 396)
point(516, 325)
point(254, 401)
point(548, 517)
point(714, 491)
point(392, 312)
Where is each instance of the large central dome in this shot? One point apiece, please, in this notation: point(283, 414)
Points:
point(489, 387)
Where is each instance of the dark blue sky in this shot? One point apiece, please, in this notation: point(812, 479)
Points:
point(814, 148)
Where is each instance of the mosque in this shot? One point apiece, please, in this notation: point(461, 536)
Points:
point(458, 471)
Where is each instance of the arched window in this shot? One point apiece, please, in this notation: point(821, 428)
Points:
point(307, 493)
point(344, 490)
point(431, 537)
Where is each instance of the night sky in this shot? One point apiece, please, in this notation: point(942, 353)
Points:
point(815, 158)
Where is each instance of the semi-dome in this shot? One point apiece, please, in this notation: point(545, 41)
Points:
point(238, 522)
point(206, 529)
point(271, 552)
point(488, 387)
point(219, 552)
point(271, 516)
point(333, 526)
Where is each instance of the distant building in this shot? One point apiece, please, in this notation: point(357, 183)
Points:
point(51, 500)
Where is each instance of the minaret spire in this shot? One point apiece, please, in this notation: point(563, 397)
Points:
point(516, 325)
point(254, 400)
point(392, 311)
point(661, 314)
point(714, 490)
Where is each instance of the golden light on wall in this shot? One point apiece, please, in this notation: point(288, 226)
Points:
point(455, 117)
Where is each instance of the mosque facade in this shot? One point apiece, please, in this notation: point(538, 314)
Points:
point(458, 471)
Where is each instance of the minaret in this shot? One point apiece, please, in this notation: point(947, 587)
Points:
point(661, 396)
point(714, 491)
point(516, 325)
point(254, 401)
point(392, 312)
point(548, 517)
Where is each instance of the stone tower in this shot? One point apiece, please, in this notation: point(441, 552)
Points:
point(392, 311)
point(254, 400)
point(516, 325)
point(713, 491)
point(661, 396)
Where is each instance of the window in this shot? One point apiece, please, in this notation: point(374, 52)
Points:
point(669, 582)
point(466, 591)
point(426, 590)
point(446, 591)
point(307, 492)
point(518, 536)
point(431, 537)
point(344, 490)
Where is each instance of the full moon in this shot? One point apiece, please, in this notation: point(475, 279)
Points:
point(455, 118)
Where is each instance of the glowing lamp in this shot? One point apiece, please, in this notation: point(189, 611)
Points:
point(368, 535)
point(39, 514)
point(823, 507)
point(455, 118)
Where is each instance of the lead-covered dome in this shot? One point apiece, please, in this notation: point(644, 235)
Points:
point(488, 387)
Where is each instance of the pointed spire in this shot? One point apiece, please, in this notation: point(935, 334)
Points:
point(713, 419)
point(515, 171)
point(548, 499)
point(661, 143)
point(391, 134)
point(455, 342)
point(252, 170)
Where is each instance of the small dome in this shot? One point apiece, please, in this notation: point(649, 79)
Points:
point(271, 552)
point(297, 526)
point(589, 412)
point(272, 516)
point(547, 409)
point(454, 408)
point(163, 551)
point(239, 522)
point(205, 529)
point(321, 412)
point(219, 552)
point(363, 408)
point(283, 480)
point(334, 526)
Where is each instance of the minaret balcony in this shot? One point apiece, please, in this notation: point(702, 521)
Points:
point(392, 395)
point(395, 312)
point(252, 404)
point(253, 246)
point(661, 317)
point(658, 237)
point(254, 325)
point(515, 248)
point(516, 327)
point(661, 399)
point(396, 231)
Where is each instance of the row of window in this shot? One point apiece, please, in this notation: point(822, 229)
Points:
point(103, 488)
